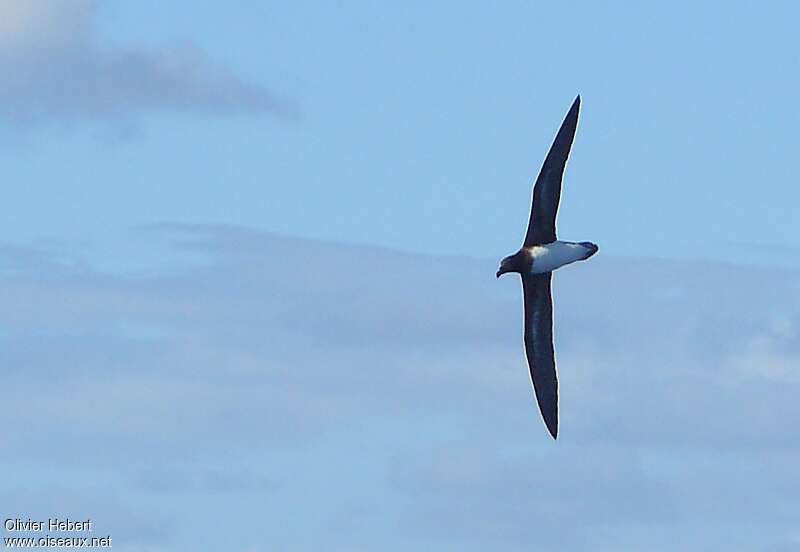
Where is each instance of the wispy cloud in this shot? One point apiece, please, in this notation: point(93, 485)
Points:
point(55, 68)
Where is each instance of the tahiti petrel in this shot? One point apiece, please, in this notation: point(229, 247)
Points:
point(541, 253)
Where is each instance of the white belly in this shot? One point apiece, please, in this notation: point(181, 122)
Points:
point(551, 256)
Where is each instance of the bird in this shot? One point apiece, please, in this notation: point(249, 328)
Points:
point(542, 253)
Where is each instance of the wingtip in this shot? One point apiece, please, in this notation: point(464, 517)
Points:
point(551, 423)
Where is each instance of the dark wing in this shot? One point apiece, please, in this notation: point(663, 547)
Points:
point(547, 190)
point(539, 345)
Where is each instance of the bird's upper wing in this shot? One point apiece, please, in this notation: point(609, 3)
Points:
point(539, 345)
point(547, 190)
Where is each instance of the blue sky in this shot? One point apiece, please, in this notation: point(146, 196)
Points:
point(419, 127)
point(247, 293)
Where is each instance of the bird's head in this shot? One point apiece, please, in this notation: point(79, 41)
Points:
point(512, 263)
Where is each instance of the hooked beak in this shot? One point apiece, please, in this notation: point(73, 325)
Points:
point(506, 265)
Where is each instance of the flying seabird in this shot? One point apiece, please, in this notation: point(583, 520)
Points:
point(539, 256)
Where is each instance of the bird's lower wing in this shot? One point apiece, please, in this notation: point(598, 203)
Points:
point(539, 345)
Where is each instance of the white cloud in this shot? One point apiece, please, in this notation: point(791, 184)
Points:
point(773, 354)
point(29, 27)
point(54, 69)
